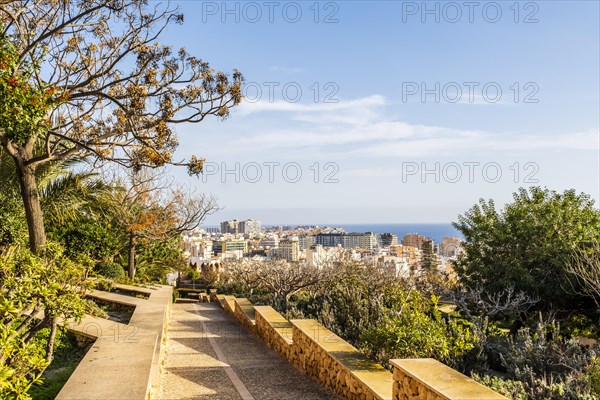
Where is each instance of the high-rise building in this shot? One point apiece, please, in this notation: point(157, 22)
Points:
point(305, 241)
point(429, 259)
point(388, 239)
point(271, 242)
point(411, 254)
point(204, 249)
point(250, 226)
point(414, 239)
point(365, 240)
point(328, 239)
point(226, 246)
point(232, 226)
point(289, 249)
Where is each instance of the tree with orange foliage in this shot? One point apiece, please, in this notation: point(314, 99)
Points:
point(150, 207)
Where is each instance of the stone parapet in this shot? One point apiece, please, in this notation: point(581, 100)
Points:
point(335, 363)
point(124, 361)
point(428, 379)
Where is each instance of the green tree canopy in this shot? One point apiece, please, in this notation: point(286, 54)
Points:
point(528, 244)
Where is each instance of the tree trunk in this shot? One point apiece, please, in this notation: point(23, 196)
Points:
point(33, 207)
point(131, 260)
point(50, 344)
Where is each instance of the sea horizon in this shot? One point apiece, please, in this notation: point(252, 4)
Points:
point(434, 231)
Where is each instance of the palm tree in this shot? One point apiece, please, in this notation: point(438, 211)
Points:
point(66, 195)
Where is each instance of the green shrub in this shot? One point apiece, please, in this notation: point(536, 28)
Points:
point(510, 388)
point(110, 270)
point(104, 284)
point(67, 355)
point(93, 309)
point(28, 282)
point(417, 330)
point(593, 375)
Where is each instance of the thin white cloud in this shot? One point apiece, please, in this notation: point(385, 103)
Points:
point(359, 128)
point(453, 142)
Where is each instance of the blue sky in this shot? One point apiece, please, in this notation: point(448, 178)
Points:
point(353, 106)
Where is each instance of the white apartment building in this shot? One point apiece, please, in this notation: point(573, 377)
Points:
point(271, 242)
point(250, 226)
point(289, 249)
point(365, 241)
point(232, 226)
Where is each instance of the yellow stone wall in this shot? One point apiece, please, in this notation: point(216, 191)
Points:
point(337, 365)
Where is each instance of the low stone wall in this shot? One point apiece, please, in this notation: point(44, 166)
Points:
point(274, 329)
point(327, 358)
point(335, 363)
point(124, 361)
point(428, 379)
point(244, 313)
point(229, 304)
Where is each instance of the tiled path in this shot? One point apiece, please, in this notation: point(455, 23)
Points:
point(211, 356)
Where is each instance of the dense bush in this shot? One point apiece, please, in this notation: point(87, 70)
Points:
point(12, 228)
point(549, 368)
point(540, 369)
point(95, 238)
point(416, 330)
point(110, 270)
point(67, 355)
point(154, 259)
point(510, 388)
point(31, 284)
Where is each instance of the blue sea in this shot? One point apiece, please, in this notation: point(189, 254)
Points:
point(432, 231)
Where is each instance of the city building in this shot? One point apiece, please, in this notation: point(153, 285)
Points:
point(229, 246)
point(289, 249)
point(347, 240)
point(414, 239)
point(270, 242)
point(250, 226)
point(306, 241)
point(411, 254)
point(365, 241)
point(204, 249)
point(232, 226)
point(329, 239)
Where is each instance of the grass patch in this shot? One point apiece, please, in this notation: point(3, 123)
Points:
point(68, 354)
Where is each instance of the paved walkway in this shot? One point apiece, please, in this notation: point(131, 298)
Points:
point(211, 356)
